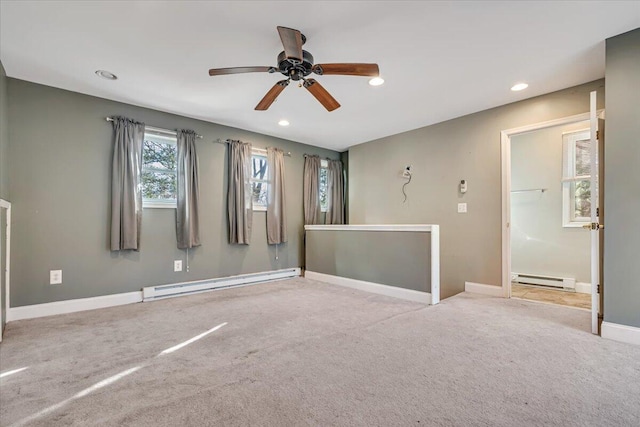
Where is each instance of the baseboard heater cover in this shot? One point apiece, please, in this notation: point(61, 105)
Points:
point(153, 293)
point(550, 281)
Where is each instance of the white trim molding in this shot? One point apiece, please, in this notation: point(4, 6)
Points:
point(482, 289)
point(374, 227)
point(583, 288)
point(376, 288)
point(72, 306)
point(7, 266)
point(622, 333)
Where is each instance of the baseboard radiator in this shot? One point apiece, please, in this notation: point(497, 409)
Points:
point(567, 283)
point(153, 293)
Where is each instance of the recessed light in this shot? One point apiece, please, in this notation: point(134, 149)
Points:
point(106, 75)
point(283, 123)
point(519, 86)
point(376, 81)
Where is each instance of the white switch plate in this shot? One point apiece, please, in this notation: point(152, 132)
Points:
point(177, 265)
point(55, 277)
point(462, 208)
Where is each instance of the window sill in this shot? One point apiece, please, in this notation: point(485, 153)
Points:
point(575, 224)
point(159, 205)
point(259, 208)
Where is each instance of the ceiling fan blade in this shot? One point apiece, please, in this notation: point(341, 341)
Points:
point(321, 94)
point(370, 70)
point(271, 96)
point(292, 42)
point(240, 70)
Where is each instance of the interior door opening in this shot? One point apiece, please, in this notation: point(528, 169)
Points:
point(550, 203)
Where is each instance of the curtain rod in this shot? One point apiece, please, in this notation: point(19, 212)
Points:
point(226, 141)
point(321, 158)
point(155, 129)
point(542, 190)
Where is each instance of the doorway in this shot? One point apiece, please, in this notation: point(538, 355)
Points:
point(549, 243)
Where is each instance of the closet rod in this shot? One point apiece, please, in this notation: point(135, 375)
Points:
point(154, 129)
point(542, 190)
point(226, 141)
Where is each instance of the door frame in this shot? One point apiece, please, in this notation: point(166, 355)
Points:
point(6, 205)
point(505, 147)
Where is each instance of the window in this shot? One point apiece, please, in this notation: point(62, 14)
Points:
point(259, 179)
point(324, 184)
point(576, 181)
point(159, 175)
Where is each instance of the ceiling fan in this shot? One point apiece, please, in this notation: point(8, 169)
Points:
point(296, 64)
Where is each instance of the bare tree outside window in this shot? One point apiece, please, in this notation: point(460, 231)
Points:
point(576, 179)
point(159, 182)
point(582, 189)
point(323, 188)
point(259, 181)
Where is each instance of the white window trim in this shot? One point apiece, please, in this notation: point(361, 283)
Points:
point(262, 153)
point(171, 139)
point(567, 221)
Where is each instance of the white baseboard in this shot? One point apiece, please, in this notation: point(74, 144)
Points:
point(583, 288)
point(376, 288)
point(623, 333)
point(72, 306)
point(482, 289)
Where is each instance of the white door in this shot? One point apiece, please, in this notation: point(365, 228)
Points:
point(595, 227)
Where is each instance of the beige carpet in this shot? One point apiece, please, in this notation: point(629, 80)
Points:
point(298, 352)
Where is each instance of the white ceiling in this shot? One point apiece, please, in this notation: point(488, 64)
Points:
point(440, 60)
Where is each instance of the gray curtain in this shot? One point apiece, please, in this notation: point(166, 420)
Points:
point(126, 194)
point(335, 193)
point(239, 198)
point(276, 201)
point(311, 189)
point(187, 212)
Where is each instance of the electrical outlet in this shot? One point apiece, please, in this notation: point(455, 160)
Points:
point(177, 265)
point(462, 208)
point(55, 277)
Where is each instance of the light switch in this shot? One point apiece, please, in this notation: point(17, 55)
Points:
point(462, 208)
point(55, 277)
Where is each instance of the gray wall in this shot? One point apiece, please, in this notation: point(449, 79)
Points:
point(60, 150)
point(442, 154)
point(384, 257)
point(4, 194)
point(622, 184)
point(539, 242)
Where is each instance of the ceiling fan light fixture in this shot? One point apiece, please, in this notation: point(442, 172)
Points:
point(376, 81)
point(297, 64)
point(519, 86)
point(106, 75)
point(283, 122)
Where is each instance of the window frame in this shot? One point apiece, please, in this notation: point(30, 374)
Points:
point(259, 152)
point(569, 177)
point(168, 138)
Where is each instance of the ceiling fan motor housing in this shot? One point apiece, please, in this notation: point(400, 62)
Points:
point(294, 69)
